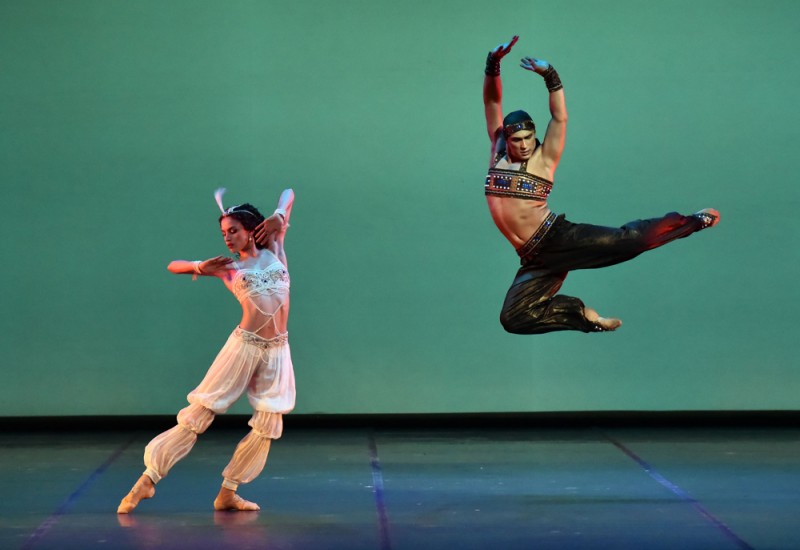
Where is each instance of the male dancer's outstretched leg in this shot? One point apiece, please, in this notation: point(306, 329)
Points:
point(532, 305)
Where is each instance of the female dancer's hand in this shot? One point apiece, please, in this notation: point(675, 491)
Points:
point(213, 266)
point(500, 51)
point(274, 224)
point(538, 66)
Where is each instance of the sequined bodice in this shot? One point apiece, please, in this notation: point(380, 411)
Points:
point(520, 184)
point(249, 283)
point(263, 293)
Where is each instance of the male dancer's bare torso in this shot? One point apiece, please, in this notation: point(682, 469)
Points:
point(518, 219)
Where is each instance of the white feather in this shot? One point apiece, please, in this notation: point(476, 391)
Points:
point(218, 197)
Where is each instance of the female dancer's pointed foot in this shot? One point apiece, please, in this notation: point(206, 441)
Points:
point(708, 217)
point(602, 324)
point(229, 500)
point(142, 489)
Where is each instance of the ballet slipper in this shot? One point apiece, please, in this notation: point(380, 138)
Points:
point(234, 502)
point(142, 489)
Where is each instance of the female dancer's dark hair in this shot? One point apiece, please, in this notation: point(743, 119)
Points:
point(246, 214)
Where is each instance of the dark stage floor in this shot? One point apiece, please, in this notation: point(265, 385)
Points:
point(570, 488)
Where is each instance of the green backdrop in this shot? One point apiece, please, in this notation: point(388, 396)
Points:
point(120, 118)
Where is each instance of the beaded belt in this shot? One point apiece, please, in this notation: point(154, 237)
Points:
point(527, 250)
point(514, 183)
point(265, 343)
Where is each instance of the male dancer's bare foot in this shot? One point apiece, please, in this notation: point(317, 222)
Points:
point(605, 323)
point(708, 216)
point(229, 500)
point(142, 489)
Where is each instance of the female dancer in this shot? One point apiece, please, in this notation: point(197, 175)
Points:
point(255, 358)
point(519, 181)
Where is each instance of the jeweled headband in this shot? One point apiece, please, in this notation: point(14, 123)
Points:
point(232, 209)
point(517, 126)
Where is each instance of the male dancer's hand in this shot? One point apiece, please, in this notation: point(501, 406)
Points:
point(502, 50)
point(538, 66)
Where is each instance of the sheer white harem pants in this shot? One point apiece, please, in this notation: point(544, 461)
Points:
point(246, 362)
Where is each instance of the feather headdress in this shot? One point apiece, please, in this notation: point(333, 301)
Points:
point(231, 209)
point(218, 197)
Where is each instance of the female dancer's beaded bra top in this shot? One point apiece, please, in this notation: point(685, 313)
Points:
point(263, 292)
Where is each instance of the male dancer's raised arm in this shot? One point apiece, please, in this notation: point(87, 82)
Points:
point(555, 136)
point(493, 91)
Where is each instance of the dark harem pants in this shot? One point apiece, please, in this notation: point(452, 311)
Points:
point(532, 305)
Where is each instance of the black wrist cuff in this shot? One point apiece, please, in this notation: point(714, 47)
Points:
point(492, 65)
point(551, 80)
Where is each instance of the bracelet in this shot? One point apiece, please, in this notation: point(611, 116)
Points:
point(196, 267)
point(492, 65)
point(551, 80)
point(280, 212)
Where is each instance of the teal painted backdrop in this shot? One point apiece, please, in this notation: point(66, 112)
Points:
point(120, 118)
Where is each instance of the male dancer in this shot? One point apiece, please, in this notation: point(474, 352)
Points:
point(519, 181)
